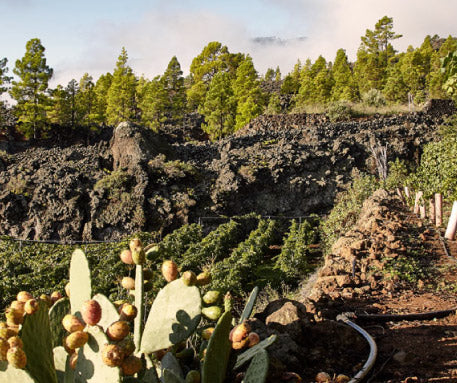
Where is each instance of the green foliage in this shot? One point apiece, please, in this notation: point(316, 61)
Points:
point(339, 111)
point(293, 261)
point(114, 183)
point(344, 87)
point(374, 97)
point(397, 175)
point(30, 91)
point(449, 70)
point(56, 313)
point(175, 244)
point(347, 208)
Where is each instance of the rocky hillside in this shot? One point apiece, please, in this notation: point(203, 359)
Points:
point(289, 165)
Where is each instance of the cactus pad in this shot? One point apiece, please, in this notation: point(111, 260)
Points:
point(173, 317)
point(218, 351)
point(80, 285)
point(9, 374)
point(258, 369)
point(169, 362)
point(249, 305)
point(56, 314)
point(250, 353)
point(139, 299)
point(170, 377)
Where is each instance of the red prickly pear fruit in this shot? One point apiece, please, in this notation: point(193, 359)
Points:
point(47, 299)
point(16, 357)
point(212, 312)
point(128, 283)
point(15, 341)
point(203, 278)
point(169, 270)
point(131, 365)
point(211, 297)
point(342, 379)
point(72, 323)
point(134, 243)
point(193, 376)
point(128, 312)
point(189, 278)
point(31, 306)
point(4, 346)
point(55, 296)
point(24, 296)
point(112, 355)
point(91, 312)
point(73, 360)
point(207, 332)
point(118, 330)
point(126, 257)
point(67, 289)
point(147, 274)
point(76, 339)
point(13, 317)
point(323, 377)
point(254, 339)
point(127, 346)
point(18, 306)
point(240, 332)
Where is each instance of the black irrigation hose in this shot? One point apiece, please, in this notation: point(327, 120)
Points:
point(405, 317)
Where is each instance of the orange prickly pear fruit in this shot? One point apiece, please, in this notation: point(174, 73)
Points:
point(127, 346)
point(55, 296)
point(169, 270)
point(118, 330)
point(72, 323)
point(18, 306)
point(131, 365)
point(207, 332)
point(134, 243)
point(128, 283)
point(76, 339)
point(31, 306)
point(15, 341)
point(240, 332)
point(138, 254)
point(128, 312)
point(203, 278)
point(91, 312)
point(73, 360)
point(65, 346)
point(4, 346)
point(254, 339)
point(7, 332)
point(126, 257)
point(112, 355)
point(13, 317)
point(189, 278)
point(16, 357)
point(24, 296)
point(342, 379)
point(323, 377)
point(47, 299)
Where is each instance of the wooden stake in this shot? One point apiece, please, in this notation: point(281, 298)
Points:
point(438, 209)
point(431, 210)
point(452, 224)
point(417, 202)
point(407, 192)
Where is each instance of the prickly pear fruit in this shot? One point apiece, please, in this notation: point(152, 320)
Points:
point(323, 377)
point(7, 332)
point(91, 312)
point(228, 301)
point(15, 341)
point(118, 330)
point(189, 278)
point(240, 332)
point(138, 256)
point(241, 344)
point(193, 376)
point(73, 360)
point(254, 339)
point(128, 283)
point(342, 379)
point(131, 365)
point(147, 274)
point(67, 289)
point(55, 296)
point(169, 270)
point(212, 312)
point(67, 349)
point(47, 299)
point(211, 297)
point(31, 306)
point(203, 278)
point(4, 346)
point(128, 312)
point(16, 357)
point(18, 306)
point(207, 332)
point(76, 339)
point(24, 296)
point(126, 257)
point(127, 346)
point(13, 317)
point(112, 355)
point(135, 242)
point(72, 323)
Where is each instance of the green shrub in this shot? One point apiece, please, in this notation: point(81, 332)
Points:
point(397, 175)
point(374, 97)
point(114, 183)
point(175, 244)
point(339, 111)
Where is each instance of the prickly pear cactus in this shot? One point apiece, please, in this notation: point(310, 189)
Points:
point(169, 362)
point(56, 314)
point(251, 352)
point(80, 285)
point(218, 351)
point(36, 335)
point(64, 373)
point(170, 377)
point(139, 300)
point(173, 317)
point(258, 369)
point(249, 305)
point(109, 312)
point(9, 374)
point(90, 367)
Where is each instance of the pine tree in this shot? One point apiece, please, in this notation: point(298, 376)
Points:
point(247, 94)
point(86, 101)
point(436, 76)
point(4, 83)
point(121, 103)
point(101, 89)
point(344, 87)
point(59, 112)
point(30, 91)
point(173, 84)
point(219, 108)
point(395, 89)
point(153, 100)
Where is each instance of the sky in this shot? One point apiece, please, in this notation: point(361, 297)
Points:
point(86, 36)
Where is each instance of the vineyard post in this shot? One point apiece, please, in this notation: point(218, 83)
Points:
point(400, 194)
point(431, 206)
point(417, 201)
point(407, 194)
point(452, 224)
point(438, 209)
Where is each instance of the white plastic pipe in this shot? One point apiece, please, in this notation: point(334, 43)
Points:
point(431, 210)
point(452, 224)
point(417, 201)
point(438, 209)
